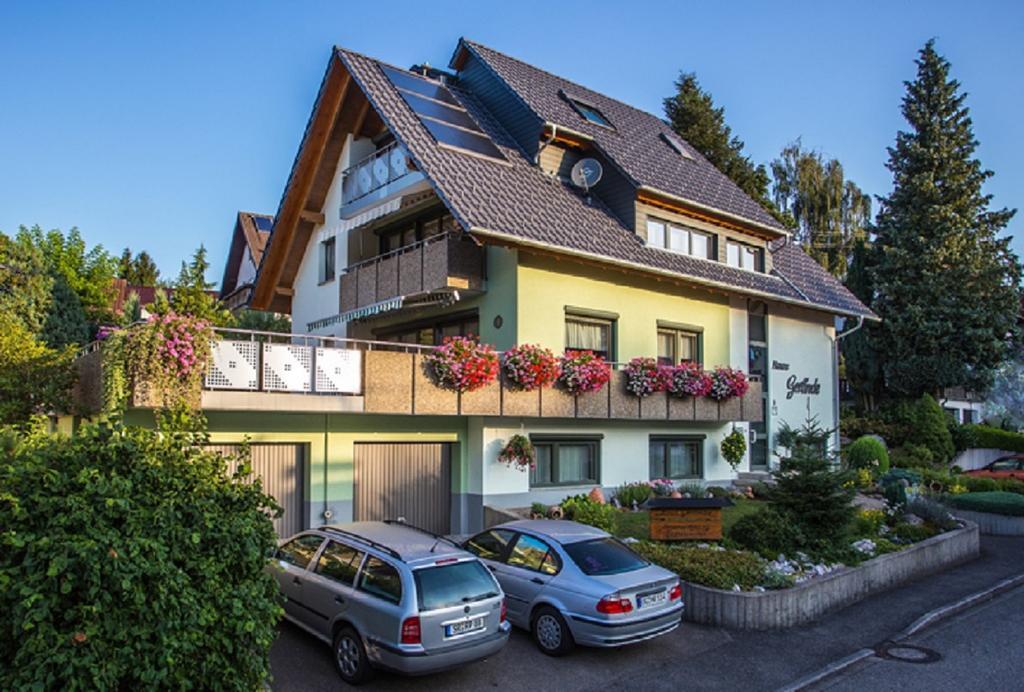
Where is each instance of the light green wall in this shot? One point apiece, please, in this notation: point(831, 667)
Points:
point(545, 287)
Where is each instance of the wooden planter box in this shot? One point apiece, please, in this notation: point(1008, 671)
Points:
point(683, 519)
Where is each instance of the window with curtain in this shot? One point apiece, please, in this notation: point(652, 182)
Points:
point(677, 345)
point(589, 334)
point(565, 461)
point(676, 457)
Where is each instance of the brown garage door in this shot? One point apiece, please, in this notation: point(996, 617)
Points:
point(280, 466)
point(400, 480)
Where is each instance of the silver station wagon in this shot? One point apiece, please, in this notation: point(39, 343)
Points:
point(568, 583)
point(387, 595)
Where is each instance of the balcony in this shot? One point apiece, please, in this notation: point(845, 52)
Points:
point(433, 267)
point(262, 371)
point(383, 175)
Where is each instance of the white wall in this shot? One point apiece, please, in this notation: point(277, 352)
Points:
point(246, 269)
point(802, 340)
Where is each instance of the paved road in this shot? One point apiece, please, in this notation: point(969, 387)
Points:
point(979, 649)
point(692, 657)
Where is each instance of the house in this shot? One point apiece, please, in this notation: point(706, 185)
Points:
point(427, 203)
point(248, 239)
point(146, 295)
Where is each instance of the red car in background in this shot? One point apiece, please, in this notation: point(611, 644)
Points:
point(1003, 467)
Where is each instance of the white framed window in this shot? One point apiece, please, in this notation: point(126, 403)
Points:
point(677, 238)
point(743, 256)
point(589, 334)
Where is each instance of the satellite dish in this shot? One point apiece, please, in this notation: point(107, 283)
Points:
point(587, 173)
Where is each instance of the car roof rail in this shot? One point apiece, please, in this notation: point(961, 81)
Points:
point(363, 539)
point(437, 536)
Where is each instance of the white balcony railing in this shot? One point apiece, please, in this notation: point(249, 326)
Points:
point(377, 170)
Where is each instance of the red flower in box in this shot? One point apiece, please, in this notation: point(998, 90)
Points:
point(727, 382)
point(463, 364)
point(584, 371)
point(530, 367)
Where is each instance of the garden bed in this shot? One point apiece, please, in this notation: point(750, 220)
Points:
point(811, 599)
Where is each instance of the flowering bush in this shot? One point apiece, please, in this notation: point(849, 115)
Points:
point(688, 379)
point(179, 337)
point(518, 453)
point(645, 377)
point(463, 364)
point(583, 371)
point(662, 487)
point(726, 383)
point(530, 367)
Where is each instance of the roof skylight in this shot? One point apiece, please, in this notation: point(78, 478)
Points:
point(677, 144)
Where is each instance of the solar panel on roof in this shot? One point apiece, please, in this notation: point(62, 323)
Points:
point(445, 118)
point(263, 223)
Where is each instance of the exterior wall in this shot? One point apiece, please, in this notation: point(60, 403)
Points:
point(623, 457)
point(803, 340)
point(546, 287)
point(613, 189)
point(246, 269)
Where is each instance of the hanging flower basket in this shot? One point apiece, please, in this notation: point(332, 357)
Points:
point(726, 383)
point(734, 446)
point(463, 364)
point(689, 379)
point(584, 371)
point(518, 453)
point(528, 367)
point(645, 377)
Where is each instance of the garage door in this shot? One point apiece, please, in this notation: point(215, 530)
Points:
point(280, 466)
point(398, 480)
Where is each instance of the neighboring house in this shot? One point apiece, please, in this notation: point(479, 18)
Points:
point(424, 204)
point(248, 239)
point(147, 296)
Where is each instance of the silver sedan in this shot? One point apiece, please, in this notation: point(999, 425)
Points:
point(568, 584)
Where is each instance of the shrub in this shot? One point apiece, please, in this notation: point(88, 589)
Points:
point(583, 371)
point(132, 560)
point(34, 378)
point(662, 487)
point(582, 509)
point(932, 512)
point(895, 483)
point(931, 429)
point(768, 532)
point(912, 533)
point(688, 379)
point(691, 489)
point(911, 456)
point(628, 493)
point(644, 377)
point(718, 569)
point(868, 452)
point(530, 367)
point(463, 364)
point(868, 522)
point(987, 437)
point(1010, 485)
point(1009, 504)
point(727, 383)
point(975, 484)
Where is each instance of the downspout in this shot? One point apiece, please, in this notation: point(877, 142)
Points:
point(835, 373)
point(549, 140)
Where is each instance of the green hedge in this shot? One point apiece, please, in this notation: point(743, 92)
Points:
point(987, 437)
point(1009, 504)
point(719, 569)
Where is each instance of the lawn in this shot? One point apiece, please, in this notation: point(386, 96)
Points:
point(636, 524)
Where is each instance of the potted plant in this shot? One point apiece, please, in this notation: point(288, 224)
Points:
point(529, 367)
point(728, 382)
point(688, 379)
point(463, 364)
point(583, 371)
point(518, 453)
point(734, 446)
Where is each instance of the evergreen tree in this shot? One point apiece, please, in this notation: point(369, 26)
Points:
point(139, 270)
point(192, 293)
point(66, 324)
point(862, 364)
point(828, 212)
point(945, 285)
point(692, 114)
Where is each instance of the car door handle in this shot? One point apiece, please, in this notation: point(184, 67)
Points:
point(296, 581)
point(492, 568)
point(537, 580)
point(339, 600)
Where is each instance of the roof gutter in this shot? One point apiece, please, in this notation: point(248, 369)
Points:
point(713, 210)
point(518, 240)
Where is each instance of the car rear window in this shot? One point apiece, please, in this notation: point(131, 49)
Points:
point(445, 586)
point(603, 556)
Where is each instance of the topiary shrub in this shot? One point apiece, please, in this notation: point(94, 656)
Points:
point(1009, 504)
point(975, 484)
point(931, 430)
point(868, 452)
point(768, 532)
point(130, 560)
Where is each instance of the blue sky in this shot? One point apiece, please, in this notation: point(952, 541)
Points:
point(150, 125)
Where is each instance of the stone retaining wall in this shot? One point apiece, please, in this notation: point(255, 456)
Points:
point(992, 524)
point(809, 601)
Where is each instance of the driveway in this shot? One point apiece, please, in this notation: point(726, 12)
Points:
point(694, 656)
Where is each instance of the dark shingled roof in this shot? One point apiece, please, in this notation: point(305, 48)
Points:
point(514, 199)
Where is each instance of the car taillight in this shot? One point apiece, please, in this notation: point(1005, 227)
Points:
point(675, 592)
point(411, 631)
point(613, 604)
point(504, 610)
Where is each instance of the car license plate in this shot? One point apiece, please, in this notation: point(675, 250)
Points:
point(651, 600)
point(454, 629)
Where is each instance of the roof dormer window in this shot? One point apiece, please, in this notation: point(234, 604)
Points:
point(589, 111)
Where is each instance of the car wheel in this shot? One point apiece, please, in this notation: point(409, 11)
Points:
point(350, 657)
point(551, 632)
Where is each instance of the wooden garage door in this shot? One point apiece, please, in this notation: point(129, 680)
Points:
point(400, 480)
point(280, 466)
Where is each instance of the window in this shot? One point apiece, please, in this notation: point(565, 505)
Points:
point(589, 334)
point(676, 457)
point(686, 241)
point(490, 545)
point(678, 345)
point(454, 585)
point(591, 113)
point(381, 579)
point(327, 256)
point(533, 554)
point(433, 333)
point(744, 256)
point(677, 144)
point(567, 461)
point(968, 416)
point(603, 556)
point(299, 551)
point(340, 563)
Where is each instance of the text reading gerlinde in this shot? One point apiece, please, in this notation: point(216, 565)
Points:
point(804, 386)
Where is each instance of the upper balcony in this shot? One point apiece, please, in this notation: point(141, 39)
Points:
point(430, 268)
point(381, 176)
